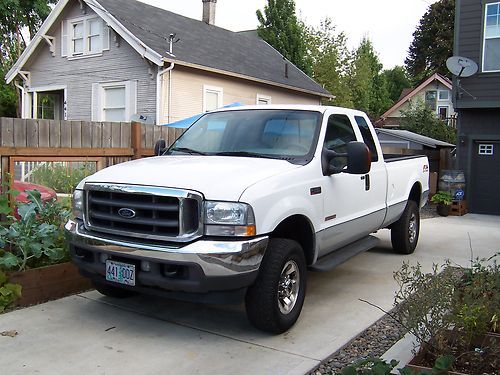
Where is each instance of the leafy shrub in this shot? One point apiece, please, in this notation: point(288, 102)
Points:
point(442, 197)
point(368, 366)
point(9, 293)
point(37, 238)
point(61, 177)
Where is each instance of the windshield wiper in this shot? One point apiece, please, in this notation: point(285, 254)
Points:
point(246, 154)
point(187, 151)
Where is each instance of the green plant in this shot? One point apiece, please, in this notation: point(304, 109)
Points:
point(442, 197)
point(37, 238)
point(441, 367)
point(61, 177)
point(375, 366)
point(9, 293)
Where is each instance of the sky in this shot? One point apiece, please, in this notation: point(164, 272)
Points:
point(388, 23)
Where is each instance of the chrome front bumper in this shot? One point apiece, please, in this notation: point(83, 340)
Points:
point(217, 265)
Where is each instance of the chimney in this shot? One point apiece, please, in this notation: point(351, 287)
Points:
point(209, 11)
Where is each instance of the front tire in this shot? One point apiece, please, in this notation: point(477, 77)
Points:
point(274, 302)
point(405, 231)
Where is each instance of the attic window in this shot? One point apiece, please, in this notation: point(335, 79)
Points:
point(84, 36)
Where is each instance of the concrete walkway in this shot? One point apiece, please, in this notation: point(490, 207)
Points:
point(92, 334)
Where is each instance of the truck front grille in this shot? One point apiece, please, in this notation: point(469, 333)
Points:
point(144, 212)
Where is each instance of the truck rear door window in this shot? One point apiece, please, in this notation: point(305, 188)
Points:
point(367, 136)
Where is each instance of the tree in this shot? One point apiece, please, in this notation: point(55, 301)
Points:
point(421, 119)
point(432, 41)
point(331, 60)
point(15, 17)
point(280, 28)
point(397, 80)
point(369, 87)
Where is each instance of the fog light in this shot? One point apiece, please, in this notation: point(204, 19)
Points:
point(145, 266)
point(103, 257)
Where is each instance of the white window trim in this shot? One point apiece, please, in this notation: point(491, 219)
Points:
point(486, 149)
point(444, 106)
point(130, 99)
point(443, 100)
point(31, 112)
point(265, 98)
point(484, 39)
point(212, 89)
point(86, 52)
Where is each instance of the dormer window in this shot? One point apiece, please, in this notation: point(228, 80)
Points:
point(491, 46)
point(84, 37)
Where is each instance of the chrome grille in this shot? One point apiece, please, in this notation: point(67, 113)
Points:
point(144, 212)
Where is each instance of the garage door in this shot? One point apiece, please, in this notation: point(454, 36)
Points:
point(485, 178)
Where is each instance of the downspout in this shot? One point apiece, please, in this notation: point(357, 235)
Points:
point(159, 80)
point(159, 101)
point(23, 114)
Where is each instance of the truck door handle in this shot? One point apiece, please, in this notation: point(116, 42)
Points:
point(366, 177)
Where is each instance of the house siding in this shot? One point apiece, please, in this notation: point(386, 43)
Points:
point(483, 88)
point(187, 92)
point(120, 63)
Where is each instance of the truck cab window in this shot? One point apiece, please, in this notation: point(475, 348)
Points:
point(367, 136)
point(339, 133)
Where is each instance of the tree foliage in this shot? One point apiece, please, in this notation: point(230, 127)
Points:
point(421, 119)
point(397, 80)
point(432, 41)
point(17, 17)
point(369, 86)
point(331, 61)
point(280, 28)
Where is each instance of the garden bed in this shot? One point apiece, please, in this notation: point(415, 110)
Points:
point(48, 283)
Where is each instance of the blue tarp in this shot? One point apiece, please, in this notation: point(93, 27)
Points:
point(187, 122)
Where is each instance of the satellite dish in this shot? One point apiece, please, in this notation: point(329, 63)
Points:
point(461, 66)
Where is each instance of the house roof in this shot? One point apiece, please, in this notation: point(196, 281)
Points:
point(411, 93)
point(414, 137)
point(199, 45)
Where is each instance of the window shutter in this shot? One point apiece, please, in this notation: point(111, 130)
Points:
point(64, 38)
point(132, 98)
point(105, 36)
point(96, 103)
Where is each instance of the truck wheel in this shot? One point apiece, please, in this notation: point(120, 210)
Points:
point(405, 231)
point(274, 301)
point(112, 291)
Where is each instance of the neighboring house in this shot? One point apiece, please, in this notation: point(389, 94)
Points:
point(109, 60)
point(477, 100)
point(435, 92)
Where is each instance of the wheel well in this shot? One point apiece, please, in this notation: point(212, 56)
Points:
point(298, 228)
point(415, 194)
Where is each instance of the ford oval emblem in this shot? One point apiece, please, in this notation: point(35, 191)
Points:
point(127, 213)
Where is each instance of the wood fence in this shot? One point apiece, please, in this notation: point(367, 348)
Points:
point(105, 143)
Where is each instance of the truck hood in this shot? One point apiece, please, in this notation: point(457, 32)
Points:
point(216, 177)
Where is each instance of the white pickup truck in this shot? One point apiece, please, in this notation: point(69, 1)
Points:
point(242, 204)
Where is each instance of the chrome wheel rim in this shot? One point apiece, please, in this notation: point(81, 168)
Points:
point(288, 287)
point(412, 228)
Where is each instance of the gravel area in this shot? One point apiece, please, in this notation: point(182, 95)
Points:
point(376, 339)
point(372, 342)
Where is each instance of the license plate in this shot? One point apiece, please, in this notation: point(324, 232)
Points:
point(121, 273)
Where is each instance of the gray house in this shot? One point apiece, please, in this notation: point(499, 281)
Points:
point(113, 60)
point(477, 100)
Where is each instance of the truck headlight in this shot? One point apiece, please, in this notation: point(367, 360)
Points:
point(78, 204)
point(229, 219)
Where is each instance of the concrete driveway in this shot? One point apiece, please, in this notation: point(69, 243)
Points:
point(92, 334)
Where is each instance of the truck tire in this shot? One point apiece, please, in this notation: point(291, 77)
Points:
point(273, 303)
point(112, 291)
point(405, 231)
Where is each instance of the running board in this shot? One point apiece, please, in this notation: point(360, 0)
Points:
point(343, 254)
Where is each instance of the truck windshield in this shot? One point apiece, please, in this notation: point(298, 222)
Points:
point(267, 133)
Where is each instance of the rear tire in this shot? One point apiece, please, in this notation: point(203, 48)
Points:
point(112, 291)
point(405, 231)
point(274, 302)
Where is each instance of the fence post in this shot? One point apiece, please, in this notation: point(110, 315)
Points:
point(136, 139)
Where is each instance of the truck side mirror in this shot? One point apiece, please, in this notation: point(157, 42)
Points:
point(358, 160)
point(160, 147)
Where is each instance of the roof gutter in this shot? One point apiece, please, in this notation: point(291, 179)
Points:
point(159, 97)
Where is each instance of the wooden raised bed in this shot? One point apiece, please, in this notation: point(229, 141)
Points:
point(48, 283)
